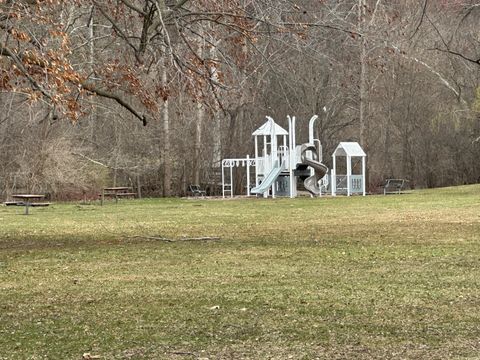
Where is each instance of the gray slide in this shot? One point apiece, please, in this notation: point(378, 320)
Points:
point(268, 181)
point(311, 183)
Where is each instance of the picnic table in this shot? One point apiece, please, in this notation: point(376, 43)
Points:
point(116, 192)
point(29, 200)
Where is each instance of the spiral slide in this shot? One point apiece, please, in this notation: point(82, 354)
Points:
point(311, 183)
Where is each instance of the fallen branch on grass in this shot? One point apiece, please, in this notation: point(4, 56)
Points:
point(158, 238)
point(186, 353)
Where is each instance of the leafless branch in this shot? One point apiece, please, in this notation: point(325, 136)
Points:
point(424, 12)
point(133, 7)
point(160, 238)
point(104, 93)
point(456, 53)
point(117, 29)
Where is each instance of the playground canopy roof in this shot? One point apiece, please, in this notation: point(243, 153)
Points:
point(349, 149)
point(266, 130)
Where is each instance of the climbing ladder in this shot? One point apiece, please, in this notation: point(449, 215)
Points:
point(227, 187)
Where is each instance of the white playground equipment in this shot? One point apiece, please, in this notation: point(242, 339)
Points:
point(277, 166)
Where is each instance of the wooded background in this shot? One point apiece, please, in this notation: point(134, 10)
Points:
point(155, 93)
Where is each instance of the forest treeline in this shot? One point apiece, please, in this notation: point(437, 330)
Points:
point(154, 93)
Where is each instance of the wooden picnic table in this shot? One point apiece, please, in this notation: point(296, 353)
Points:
point(116, 192)
point(28, 199)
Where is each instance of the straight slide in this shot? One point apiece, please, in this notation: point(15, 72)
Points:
point(269, 180)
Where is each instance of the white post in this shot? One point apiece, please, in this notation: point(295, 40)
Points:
point(273, 141)
point(363, 175)
point(294, 149)
point(223, 182)
point(264, 153)
point(290, 155)
point(248, 175)
point(310, 128)
point(273, 146)
point(265, 165)
point(256, 160)
point(311, 137)
point(334, 176)
point(231, 179)
point(349, 175)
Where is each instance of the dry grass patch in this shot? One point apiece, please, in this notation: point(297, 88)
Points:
point(375, 277)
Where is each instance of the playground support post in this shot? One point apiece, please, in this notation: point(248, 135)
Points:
point(294, 145)
point(248, 175)
point(349, 175)
point(310, 128)
point(291, 151)
point(256, 161)
point(363, 174)
point(334, 177)
point(231, 181)
point(223, 182)
point(273, 148)
point(311, 139)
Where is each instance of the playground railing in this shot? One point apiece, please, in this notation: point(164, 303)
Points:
point(356, 184)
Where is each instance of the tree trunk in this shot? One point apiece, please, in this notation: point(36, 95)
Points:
point(198, 141)
point(363, 122)
point(139, 187)
point(167, 158)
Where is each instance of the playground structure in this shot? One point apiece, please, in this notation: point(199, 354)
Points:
point(279, 162)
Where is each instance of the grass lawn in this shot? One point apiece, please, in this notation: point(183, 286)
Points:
point(393, 276)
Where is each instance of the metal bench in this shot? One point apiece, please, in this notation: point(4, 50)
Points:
point(393, 186)
point(195, 190)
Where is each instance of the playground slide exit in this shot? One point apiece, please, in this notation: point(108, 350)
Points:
point(311, 183)
point(268, 181)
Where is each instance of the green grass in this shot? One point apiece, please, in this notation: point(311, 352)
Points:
point(376, 277)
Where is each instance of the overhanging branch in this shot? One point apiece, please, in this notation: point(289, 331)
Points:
point(104, 93)
point(4, 51)
point(89, 86)
point(452, 52)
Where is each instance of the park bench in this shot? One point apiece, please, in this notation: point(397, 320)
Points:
point(116, 193)
point(14, 203)
point(120, 194)
point(393, 186)
point(195, 190)
point(126, 194)
point(22, 203)
point(40, 204)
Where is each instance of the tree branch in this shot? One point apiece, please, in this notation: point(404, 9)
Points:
point(431, 69)
point(4, 51)
point(104, 93)
point(424, 12)
point(448, 51)
point(168, 13)
point(159, 238)
point(133, 7)
point(117, 29)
